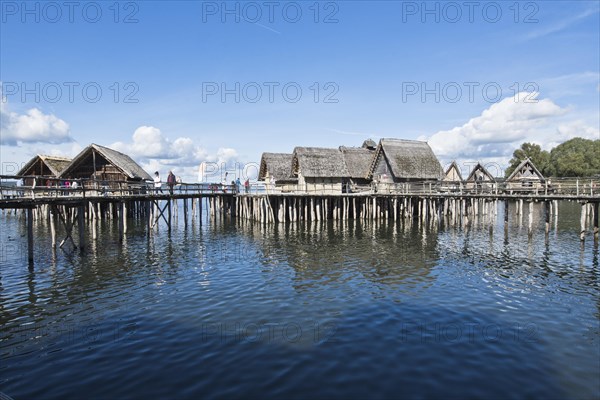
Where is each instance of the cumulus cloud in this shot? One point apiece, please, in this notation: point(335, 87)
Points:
point(32, 127)
point(156, 152)
point(504, 126)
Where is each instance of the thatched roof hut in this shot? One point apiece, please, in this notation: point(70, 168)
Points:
point(319, 170)
point(358, 161)
point(369, 144)
point(399, 160)
point(525, 175)
point(276, 165)
point(43, 166)
point(480, 174)
point(104, 164)
point(453, 173)
point(318, 162)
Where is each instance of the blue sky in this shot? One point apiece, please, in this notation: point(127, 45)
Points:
point(414, 70)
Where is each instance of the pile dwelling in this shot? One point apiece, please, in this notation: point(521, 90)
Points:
point(394, 179)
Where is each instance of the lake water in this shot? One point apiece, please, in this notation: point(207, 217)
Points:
point(321, 310)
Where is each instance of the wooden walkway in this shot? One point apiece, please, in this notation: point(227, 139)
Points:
point(69, 209)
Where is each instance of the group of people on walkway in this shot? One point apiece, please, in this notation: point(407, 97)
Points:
point(236, 185)
point(172, 181)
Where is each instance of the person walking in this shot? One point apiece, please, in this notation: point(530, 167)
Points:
point(247, 185)
point(224, 183)
point(171, 180)
point(238, 185)
point(157, 183)
point(272, 183)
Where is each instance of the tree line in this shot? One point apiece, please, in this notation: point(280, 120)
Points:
point(577, 157)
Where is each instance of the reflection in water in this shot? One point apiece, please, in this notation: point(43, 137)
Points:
point(322, 252)
point(302, 309)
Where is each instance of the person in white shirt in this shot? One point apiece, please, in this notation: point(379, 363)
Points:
point(157, 183)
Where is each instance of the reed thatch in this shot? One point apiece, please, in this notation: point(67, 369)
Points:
point(407, 160)
point(526, 171)
point(277, 165)
point(453, 173)
point(369, 144)
point(318, 162)
point(358, 160)
point(100, 162)
point(480, 171)
point(44, 165)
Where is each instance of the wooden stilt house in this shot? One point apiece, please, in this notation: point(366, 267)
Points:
point(399, 160)
point(525, 177)
point(106, 168)
point(43, 167)
point(319, 170)
point(453, 180)
point(358, 161)
point(480, 179)
point(279, 167)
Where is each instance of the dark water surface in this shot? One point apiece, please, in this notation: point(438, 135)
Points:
point(322, 310)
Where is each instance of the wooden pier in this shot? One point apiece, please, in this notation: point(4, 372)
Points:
point(67, 210)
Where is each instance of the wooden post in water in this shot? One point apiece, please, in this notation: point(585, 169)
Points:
point(200, 211)
point(52, 226)
point(124, 211)
point(30, 236)
point(147, 206)
point(547, 215)
point(169, 213)
point(120, 209)
point(582, 222)
point(596, 222)
point(185, 212)
point(530, 228)
point(80, 225)
point(233, 210)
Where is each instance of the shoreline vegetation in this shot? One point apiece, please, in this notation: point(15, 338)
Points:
point(577, 157)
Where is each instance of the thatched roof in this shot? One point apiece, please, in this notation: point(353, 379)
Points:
point(480, 170)
point(121, 161)
point(369, 144)
point(278, 165)
point(55, 164)
point(358, 160)
point(318, 162)
point(408, 159)
point(453, 173)
point(526, 170)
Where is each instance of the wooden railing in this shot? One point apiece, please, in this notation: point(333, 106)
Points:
point(554, 186)
point(57, 188)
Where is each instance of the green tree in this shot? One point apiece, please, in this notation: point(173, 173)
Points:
point(534, 152)
point(576, 157)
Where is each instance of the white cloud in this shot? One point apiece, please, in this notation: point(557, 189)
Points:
point(156, 152)
point(31, 127)
point(226, 154)
point(504, 126)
